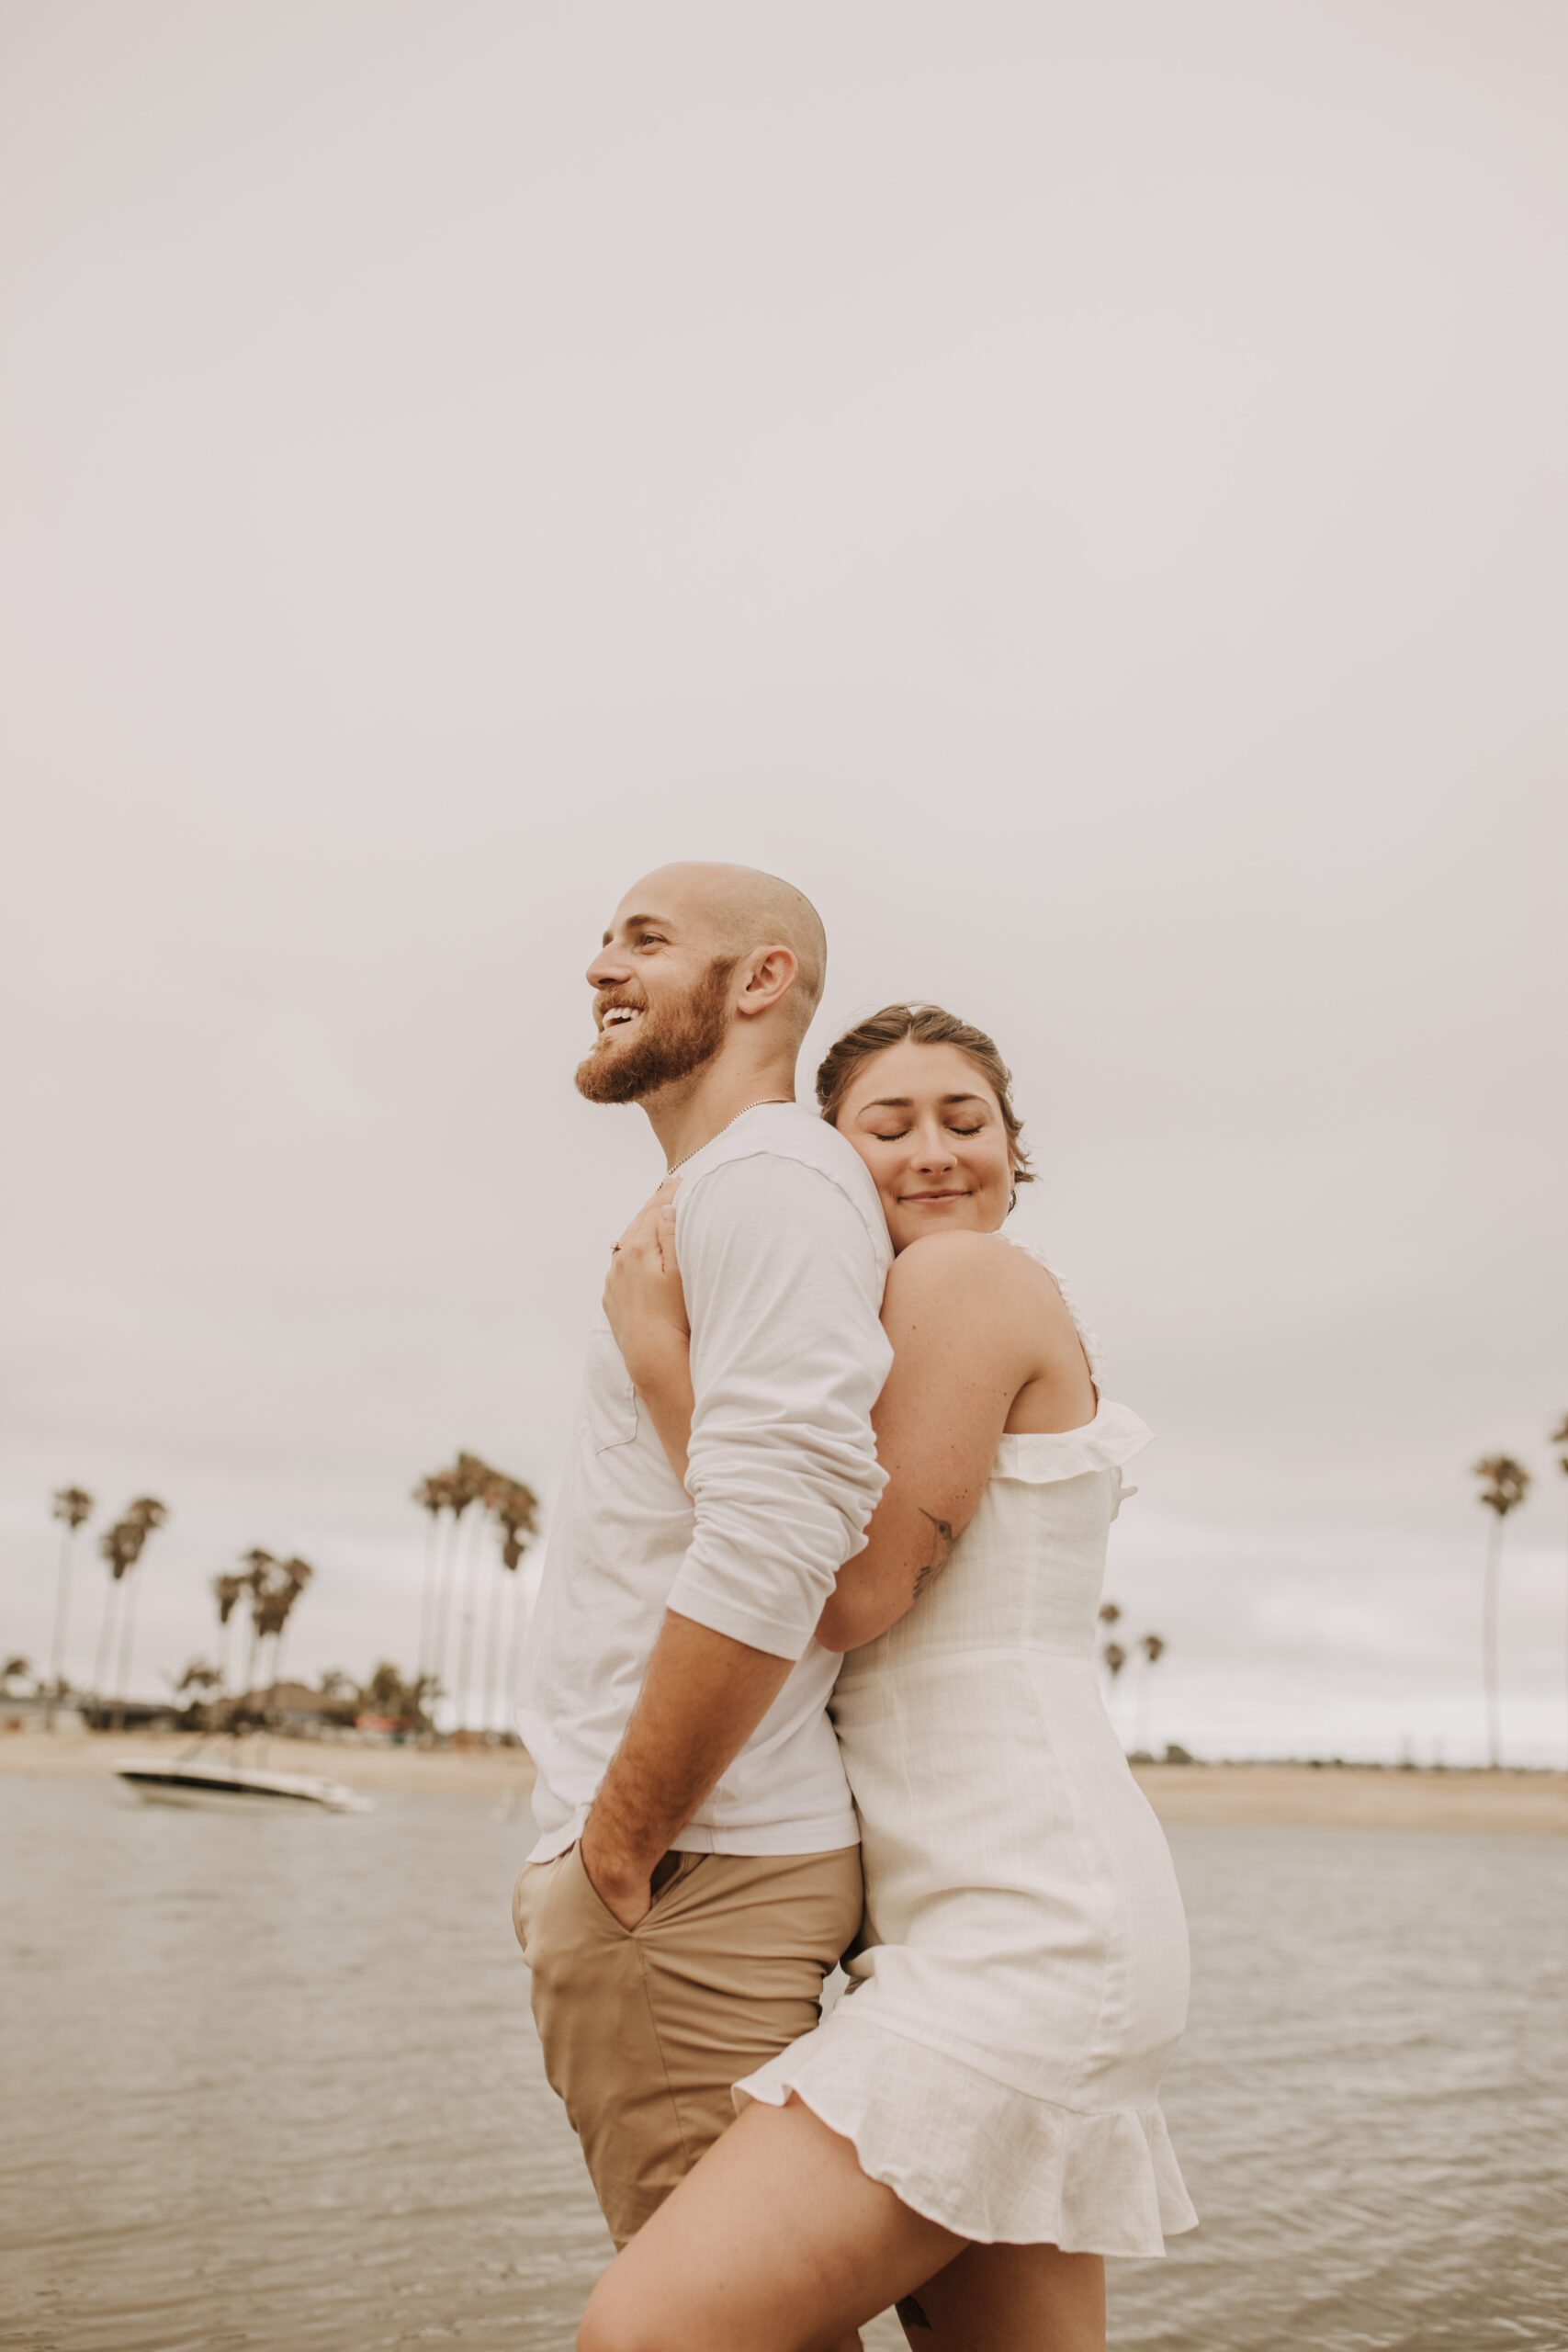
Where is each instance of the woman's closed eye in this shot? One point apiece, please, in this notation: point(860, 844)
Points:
point(897, 1135)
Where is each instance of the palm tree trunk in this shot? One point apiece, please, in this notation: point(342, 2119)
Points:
point(1489, 1644)
point(126, 1636)
point(492, 1638)
point(464, 1656)
point(427, 1593)
point(1141, 1710)
point(445, 1580)
point(62, 1610)
point(515, 1649)
point(101, 1663)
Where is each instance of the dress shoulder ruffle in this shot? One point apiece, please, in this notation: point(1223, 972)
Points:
point(1035, 2174)
point(1038, 1457)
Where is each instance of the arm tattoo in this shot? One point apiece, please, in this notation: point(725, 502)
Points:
point(942, 1541)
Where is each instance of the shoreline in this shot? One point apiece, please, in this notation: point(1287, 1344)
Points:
point(1275, 1796)
point(447, 1772)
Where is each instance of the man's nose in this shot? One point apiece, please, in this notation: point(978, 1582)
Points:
point(608, 970)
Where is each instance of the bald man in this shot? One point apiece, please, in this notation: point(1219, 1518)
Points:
point(697, 1873)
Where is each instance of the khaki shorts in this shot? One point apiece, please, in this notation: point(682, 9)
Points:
point(645, 2029)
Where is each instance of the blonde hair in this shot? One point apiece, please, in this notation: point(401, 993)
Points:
point(922, 1024)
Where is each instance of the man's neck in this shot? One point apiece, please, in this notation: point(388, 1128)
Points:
point(689, 1114)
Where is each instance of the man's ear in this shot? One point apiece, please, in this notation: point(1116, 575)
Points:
point(769, 975)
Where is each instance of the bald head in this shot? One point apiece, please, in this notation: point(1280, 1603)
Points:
point(743, 910)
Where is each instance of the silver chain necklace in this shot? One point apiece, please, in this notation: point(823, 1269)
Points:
point(762, 1103)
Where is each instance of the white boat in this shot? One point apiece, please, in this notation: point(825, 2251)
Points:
point(215, 1786)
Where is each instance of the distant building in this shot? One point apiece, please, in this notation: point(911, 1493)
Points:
point(33, 1714)
point(293, 1706)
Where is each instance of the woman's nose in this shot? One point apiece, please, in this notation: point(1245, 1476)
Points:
point(933, 1150)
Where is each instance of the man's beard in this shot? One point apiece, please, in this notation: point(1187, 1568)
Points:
point(668, 1045)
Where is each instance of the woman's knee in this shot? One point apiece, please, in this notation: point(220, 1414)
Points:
point(616, 2321)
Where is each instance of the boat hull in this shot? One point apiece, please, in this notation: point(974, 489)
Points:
point(214, 1790)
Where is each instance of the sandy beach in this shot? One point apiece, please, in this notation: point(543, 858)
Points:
point(441, 1772)
point(1304, 1796)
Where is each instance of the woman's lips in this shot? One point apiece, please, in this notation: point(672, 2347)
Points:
point(908, 1197)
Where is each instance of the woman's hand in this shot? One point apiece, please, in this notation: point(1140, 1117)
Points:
point(646, 1306)
point(644, 1299)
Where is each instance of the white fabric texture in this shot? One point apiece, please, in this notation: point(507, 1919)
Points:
point(783, 1293)
point(1022, 1979)
point(784, 1253)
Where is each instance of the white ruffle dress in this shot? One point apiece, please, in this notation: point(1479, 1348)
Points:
point(1021, 1981)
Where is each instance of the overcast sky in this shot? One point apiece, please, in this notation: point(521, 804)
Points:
point(1080, 489)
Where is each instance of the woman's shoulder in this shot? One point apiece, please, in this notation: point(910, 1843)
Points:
point(979, 1270)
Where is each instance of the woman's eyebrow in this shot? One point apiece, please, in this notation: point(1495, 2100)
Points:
point(906, 1101)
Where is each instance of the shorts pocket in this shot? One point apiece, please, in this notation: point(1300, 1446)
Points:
point(586, 1892)
point(532, 1885)
point(666, 1884)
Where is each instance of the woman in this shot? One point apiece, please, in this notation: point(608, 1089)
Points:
point(977, 2125)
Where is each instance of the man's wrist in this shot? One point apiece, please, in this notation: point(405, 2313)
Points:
point(621, 1880)
point(610, 1863)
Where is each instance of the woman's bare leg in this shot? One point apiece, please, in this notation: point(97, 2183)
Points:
point(776, 2242)
point(1009, 2299)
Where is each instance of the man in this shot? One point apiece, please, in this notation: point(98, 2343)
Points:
point(698, 1872)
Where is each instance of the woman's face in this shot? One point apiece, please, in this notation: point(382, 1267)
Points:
point(930, 1128)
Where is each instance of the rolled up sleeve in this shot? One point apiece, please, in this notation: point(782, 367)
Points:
point(788, 1356)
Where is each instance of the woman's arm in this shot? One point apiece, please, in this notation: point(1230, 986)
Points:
point(663, 1381)
point(646, 1307)
point(965, 1339)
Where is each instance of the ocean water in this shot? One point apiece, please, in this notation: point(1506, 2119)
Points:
point(273, 2084)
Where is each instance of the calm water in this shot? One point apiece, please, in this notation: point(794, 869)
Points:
point(273, 2083)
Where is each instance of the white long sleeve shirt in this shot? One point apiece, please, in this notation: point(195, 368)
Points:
point(783, 1254)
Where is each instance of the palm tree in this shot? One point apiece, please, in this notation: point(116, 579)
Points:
point(257, 1580)
point(387, 1693)
point(274, 1586)
point(516, 1509)
point(1504, 1483)
point(1108, 1613)
point(14, 1669)
point(1152, 1648)
point(1115, 1659)
point(1560, 1440)
point(112, 1546)
point(228, 1591)
point(455, 1497)
point(121, 1546)
point(73, 1508)
point(430, 1495)
point(453, 1574)
point(478, 1483)
point(145, 1514)
point(293, 1576)
point(197, 1686)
